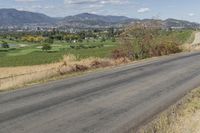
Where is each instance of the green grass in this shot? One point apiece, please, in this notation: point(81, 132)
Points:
point(33, 58)
point(180, 37)
point(32, 55)
point(21, 52)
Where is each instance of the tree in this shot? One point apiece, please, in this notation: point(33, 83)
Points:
point(103, 39)
point(49, 40)
point(82, 35)
point(111, 33)
point(145, 40)
point(5, 44)
point(136, 41)
point(46, 47)
point(113, 39)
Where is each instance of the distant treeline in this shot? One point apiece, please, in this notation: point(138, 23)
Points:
point(42, 36)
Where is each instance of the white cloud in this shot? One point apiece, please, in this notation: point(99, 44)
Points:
point(143, 10)
point(21, 9)
point(82, 2)
point(92, 6)
point(191, 14)
point(26, 0)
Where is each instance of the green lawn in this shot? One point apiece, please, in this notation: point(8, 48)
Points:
point(33, 55)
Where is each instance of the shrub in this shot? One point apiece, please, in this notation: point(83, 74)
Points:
point(5, 45)
point(49, 40)
point(103, 39)
point(147, 40)
point(113, 39)
point(46, 47)
point(116, 54)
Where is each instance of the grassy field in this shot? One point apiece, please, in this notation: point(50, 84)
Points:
point(27, 54)
point(27, 63)
point(179, 37)
point(32, 54)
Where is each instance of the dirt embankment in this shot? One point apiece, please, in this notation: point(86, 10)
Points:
point(195, 45)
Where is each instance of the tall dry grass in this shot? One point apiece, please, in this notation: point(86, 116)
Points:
point(14, 77)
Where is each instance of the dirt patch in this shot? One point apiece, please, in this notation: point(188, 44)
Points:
point(195, 45)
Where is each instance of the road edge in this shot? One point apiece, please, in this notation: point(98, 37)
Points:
point(133, 64)
point(167, 120)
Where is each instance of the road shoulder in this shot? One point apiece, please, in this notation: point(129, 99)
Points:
point(183, 117)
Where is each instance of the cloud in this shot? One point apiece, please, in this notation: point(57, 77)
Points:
point(143, 10)
point(93, 6)
point(89, 2)
point(26, 0)
point(191, 14)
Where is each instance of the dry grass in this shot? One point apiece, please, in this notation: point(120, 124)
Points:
point(193, 42)
point(13, 71)
point(14, 77)
point(181, 118)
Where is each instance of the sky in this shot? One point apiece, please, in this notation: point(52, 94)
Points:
point(160, 9)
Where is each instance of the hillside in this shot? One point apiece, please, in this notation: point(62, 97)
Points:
point(180, 23)
point(13, 17)
point(93, 19)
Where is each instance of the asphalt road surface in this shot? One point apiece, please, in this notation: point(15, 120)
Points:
point(113, 101)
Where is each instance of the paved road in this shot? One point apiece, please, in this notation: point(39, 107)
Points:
point(112, 101)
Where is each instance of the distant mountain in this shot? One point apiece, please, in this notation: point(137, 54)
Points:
point(92, 20)
point(174, 23)
point(13, 17)
point(93, 17)
point(180, 24)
